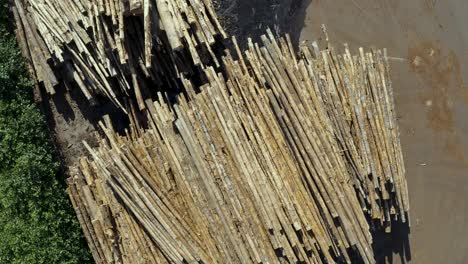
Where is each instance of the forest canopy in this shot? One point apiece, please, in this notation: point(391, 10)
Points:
point(37, 221)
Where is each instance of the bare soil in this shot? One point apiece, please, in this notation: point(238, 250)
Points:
point(72, 120)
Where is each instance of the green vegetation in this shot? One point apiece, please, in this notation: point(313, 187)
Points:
point(37, 222)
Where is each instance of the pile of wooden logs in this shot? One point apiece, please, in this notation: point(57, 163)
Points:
point(276, 159)
point(261, 156)
point(100, 47)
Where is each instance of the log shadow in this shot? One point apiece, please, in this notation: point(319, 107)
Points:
point(62, 105)
point(296, 16)
point(251, 18)
point(396, 244)
point(94, 112)
point(72, 119)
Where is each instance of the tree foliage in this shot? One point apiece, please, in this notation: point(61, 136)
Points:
point(37, 222)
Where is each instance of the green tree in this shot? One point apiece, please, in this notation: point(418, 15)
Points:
point(37, 221)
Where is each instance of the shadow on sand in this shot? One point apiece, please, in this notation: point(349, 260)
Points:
point(386, 246)
point(296, 15)
point(251, 18)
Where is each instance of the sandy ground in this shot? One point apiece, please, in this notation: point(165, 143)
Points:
point(428, 40)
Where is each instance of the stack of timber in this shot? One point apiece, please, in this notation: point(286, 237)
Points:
point(277, 159)
point(116, 48)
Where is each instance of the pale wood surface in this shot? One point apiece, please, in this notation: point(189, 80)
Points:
point(267, 156)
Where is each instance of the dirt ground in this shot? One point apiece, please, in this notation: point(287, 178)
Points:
point(72, 120)
point(428, 40)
